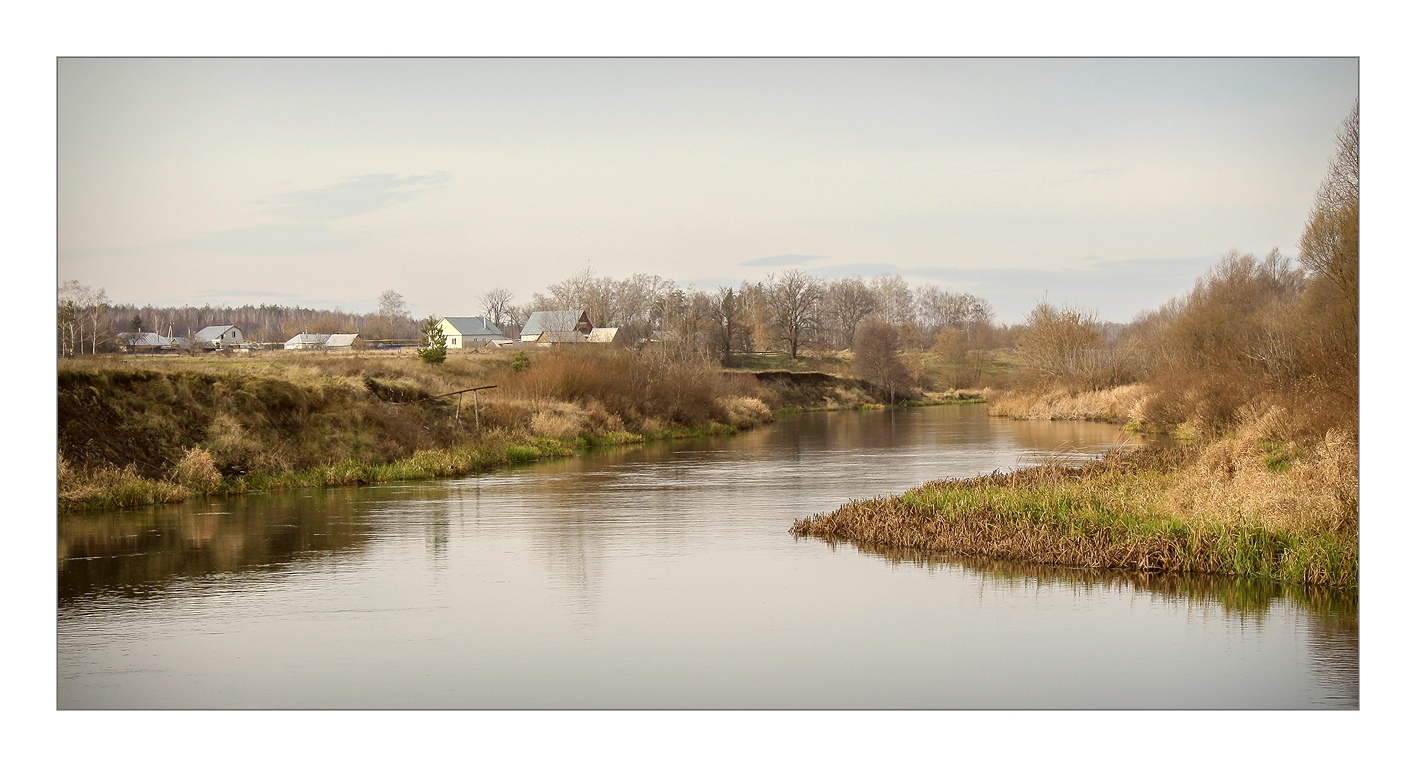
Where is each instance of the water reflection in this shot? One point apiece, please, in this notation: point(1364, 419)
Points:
point(662, 575)
point(1329, 616)
point(134, 554)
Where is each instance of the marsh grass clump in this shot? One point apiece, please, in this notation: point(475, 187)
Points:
point(1214, 509)
point(744, 412)
point(1121, 404)
point(197, 470)
point(109, 488)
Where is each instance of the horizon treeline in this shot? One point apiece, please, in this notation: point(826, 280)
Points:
point(89, 324)
point(789, 312)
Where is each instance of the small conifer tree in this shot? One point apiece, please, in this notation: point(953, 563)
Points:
point(432, 346)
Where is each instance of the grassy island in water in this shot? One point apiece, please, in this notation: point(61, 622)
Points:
point(1240, 505)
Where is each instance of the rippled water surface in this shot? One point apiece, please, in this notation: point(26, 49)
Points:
point(662, 576)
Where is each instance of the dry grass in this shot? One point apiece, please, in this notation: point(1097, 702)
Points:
point(197, 471)
point(744, 412)
point(111, 487)
point(1243, 505)
point(1256, 478)
point(1121, 404)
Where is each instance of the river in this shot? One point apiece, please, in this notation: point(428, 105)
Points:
point(663, 576)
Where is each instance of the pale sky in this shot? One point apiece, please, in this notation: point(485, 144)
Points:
point(1109, 184)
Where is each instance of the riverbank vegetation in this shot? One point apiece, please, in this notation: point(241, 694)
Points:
point(1255, 371)
point(146, 429)
point(1242, 506)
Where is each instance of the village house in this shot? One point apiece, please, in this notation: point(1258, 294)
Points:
point(557, 327)
point(219, 337)
point(341, 341)
point(145, 342)
point(605, 336)
point(307, 341)
point(469, 332)
point(322, 341)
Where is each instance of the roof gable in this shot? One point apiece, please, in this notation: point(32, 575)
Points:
point(213, 332)
point(563, 321)
point(473, 326)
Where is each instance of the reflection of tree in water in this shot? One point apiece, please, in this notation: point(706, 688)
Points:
point(573, 554)
point(567, 540)
point(138, 554)
point(437, 531)
point(626, 494)
point(1330, 616)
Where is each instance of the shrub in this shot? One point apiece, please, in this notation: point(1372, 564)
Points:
point(197, 471)
point(744, 412)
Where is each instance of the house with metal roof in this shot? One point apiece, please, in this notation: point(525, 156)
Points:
point(341, 341)
point(219, 337)
point(557, 327)
point(145, 342)
point(307, 341)
point(469, 332)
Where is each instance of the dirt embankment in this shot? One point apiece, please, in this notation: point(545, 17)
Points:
point(149, 419)
point(814, 391)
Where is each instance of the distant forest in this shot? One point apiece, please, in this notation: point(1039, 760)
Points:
point(88, 323)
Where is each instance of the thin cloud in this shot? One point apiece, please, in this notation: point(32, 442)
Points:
point(351, 197)
point(788, 260)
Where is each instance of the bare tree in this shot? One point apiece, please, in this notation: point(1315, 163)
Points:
point(496, 305)
point(640, 302)
point(393, 315)
point(848, 303)
point(1329, 247)
point(686, 317)
point(964, 312)
point(1065, 345)
point(893, 299)
point(877, 358)
point(69, 327)
point(726, 312)
point(793, 301)
point(82, 317)
point(391, 304)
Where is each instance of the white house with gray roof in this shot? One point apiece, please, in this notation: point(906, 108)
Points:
point(339, 341)
point(307, 341)
point(219, 337)
point(469, 332)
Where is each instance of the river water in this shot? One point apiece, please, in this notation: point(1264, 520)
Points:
point(663, 576)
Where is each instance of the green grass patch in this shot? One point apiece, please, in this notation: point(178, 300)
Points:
point(1091, 517)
